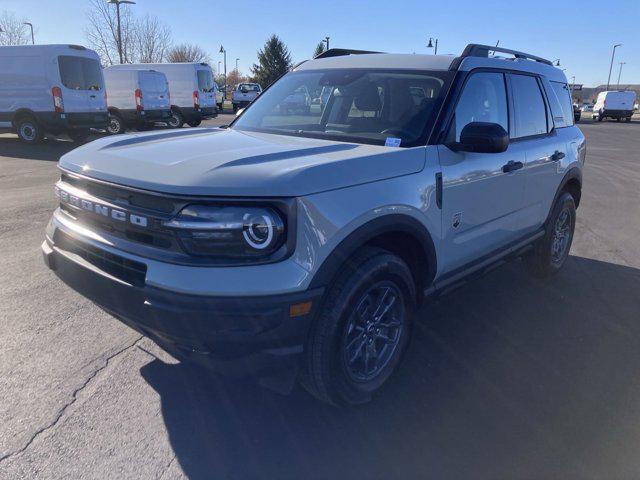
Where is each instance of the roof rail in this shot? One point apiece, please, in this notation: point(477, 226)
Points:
point(339, 52)
point(476, 50)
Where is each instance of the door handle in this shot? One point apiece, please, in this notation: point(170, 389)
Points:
point(512, 166)
point(92, 96)
point(557, 155)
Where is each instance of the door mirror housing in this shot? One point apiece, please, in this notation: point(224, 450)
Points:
point(483, 137)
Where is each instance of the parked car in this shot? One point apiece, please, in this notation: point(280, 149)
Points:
point(136, 99)
point(244, 94)
point(577, 113)
point(299, 101)
point(614, 104)
point(56, 89)
point(288, 245)
point(587, 107)
point(192, 90)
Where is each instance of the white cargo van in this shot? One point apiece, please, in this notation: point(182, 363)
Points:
point(136, 98)
point(51, 89)
point(192, 90)
point(614, 104)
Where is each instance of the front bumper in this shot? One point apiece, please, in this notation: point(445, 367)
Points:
point(63, 122)
point(232, 335)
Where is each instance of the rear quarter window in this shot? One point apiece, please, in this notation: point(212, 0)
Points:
point(561, 106)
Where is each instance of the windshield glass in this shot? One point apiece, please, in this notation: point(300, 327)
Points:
point(249, 87)
point(80, 73)
point(364, 106)
point(205, 80)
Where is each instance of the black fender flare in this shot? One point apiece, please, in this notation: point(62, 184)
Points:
point(20, 112)
point(365, 233)
point(574, 173)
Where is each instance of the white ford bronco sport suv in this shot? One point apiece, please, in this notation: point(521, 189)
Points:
point(294, 242)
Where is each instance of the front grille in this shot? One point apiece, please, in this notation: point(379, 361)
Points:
point(128, 271)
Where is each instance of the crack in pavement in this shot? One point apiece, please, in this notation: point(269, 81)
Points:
point(74, 397)
point(167, 468)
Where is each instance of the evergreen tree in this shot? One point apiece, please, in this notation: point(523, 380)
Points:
point(319, 49)
point(274, 60)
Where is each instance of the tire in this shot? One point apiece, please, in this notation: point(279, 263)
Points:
point(80, 135)
point(220, 108)
point(628, 119)
point(235, 108)
point(618, 119)
point(116, 125)
point(29, 130)
point(194, 123)
point(551, 252)
point(176, 120)
point(328, 373)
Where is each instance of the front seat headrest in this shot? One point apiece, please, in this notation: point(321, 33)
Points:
point(368, 99)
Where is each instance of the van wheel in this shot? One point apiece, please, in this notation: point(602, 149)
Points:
point(115, 125)
point(28, 130)
point(628, 119)
point(79, 135)
point(194, 123)
point(176, 120)
point(361, 330)
point(552, 251)
point(220, 109)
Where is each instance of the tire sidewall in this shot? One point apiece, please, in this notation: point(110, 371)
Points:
point(179, 119)
point(118, 121)
point(29, 122)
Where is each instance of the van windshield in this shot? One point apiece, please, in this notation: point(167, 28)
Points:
point(205, 81)
point(80, 73)
point(354, 105)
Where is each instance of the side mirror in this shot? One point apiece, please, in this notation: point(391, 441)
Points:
point(483, 137)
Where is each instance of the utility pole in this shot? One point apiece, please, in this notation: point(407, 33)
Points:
point(117, 4)
point(224, 51)
point(620, 73)
point(33, 42)
point(613, 54)
point(237, 64)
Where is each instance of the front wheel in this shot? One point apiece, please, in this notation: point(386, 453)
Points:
point(551, 252)
point(362, 328)
point(29, 130)
point(116, 124)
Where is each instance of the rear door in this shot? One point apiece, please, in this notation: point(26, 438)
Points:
point(206, 89)
point(82, 84)
point(482, 193)
point(155, 90)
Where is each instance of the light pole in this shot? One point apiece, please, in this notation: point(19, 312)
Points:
point(613, 54)
point(237, 64)
point(222, 50)
point(431, 44)
point(326, 40)
point(33, 42)
point(620, 73)
point(117, 4)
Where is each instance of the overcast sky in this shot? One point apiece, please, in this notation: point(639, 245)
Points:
point(580, 33)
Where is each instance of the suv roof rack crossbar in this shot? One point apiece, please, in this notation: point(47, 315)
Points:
point(339, 52)
point(477, 50)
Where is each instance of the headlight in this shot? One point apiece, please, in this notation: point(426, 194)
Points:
point(232, 232)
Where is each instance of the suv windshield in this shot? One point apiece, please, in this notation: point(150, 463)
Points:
point(205, 80)
point(80, 73)
point(363, 106)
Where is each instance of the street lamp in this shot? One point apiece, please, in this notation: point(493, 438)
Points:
point(613, 54)
point(222, 50)
point(33, 42)
point(557, 62)
point(237, 64)
point(620, 73)
point(117, 4)
point(326, 40)
point(431, 42)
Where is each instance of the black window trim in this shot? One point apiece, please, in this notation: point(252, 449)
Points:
point(565, 84)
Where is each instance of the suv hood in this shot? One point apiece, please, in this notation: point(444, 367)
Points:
point(228, 162)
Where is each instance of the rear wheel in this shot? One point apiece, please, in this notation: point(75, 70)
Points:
point(176, 120)
point(628, 119)
point(116, 124)
point(194, 123)
point(29, 130)
point(552, 251)
point(361, 330)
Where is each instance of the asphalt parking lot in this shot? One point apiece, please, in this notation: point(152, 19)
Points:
point(507, 377)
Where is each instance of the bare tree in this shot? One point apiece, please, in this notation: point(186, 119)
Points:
point(102, 32)
point(235, 77)
point(12, 30)
point(152, 40)
point(187, 52)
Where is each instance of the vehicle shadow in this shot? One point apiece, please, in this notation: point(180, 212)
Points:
point(49, 149)
point(507, 377)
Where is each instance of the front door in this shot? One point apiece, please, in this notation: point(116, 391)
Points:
point(482, 194)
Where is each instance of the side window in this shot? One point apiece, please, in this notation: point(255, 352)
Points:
point(563, 95)
point(530, 111)
point(484, 99)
